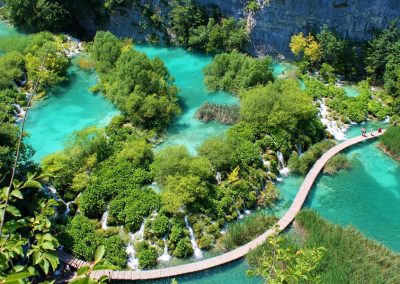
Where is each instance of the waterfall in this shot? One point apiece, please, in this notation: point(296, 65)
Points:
point(299, 151)
point(240, 215)
point(281, 164)
point(218, 178)
point(68, 208)
point(133, 262)
point(197, 252)
point(165, 256)
point(247, 211)
point(104, 220)
point(331, 125)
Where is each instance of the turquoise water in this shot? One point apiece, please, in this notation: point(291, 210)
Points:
point(67, 108)
point(7, 30)
point(351, 90)
point(187, 69)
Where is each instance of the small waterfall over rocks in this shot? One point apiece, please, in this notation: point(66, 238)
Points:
point(104, 220)
point(165, 256)
point(218, 178)
point(331, 125)
point(197, 251)
point(281, 164)
point(240, 215)
point(133, 262)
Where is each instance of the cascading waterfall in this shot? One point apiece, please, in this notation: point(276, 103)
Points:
point(331, 125)
point(281, 164)
point(133, 262)
point(197, 251)
point(218, 178)
point(165, 256)
point(104, 220)
point(240, 215)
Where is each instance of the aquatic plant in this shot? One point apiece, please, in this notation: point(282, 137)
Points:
point(337, 163)
point(390, 141)
point(225, 114)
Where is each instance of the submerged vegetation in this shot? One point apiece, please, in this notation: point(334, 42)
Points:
point(225, 114)
point(337, 163)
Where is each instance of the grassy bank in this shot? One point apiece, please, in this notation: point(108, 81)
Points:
point(349, 258)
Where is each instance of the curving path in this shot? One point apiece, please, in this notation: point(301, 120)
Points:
point(235, 254)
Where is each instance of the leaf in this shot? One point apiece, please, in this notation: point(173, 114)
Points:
point(53, 259)
point(104, 266)
point(17, 277)
point(17, 193)
point(83, 270)
point(32, 184)
point(99, 253)
point(13, 211)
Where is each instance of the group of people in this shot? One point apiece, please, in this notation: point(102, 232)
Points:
point(364, 131)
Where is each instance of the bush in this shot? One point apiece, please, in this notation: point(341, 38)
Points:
point(206, 241)
point(160, 225)
point(390, 141)
point(301, 165)
point(337, 163)
point(115, 251)
point(147, 255)
point(183, 248)
point(233, 72)
point(243, 232)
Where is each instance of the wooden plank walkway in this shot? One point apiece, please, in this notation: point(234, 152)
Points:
point(237, 253)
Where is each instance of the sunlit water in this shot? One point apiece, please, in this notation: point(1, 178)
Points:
point(351, 91)
point(187, 69)
point(67, 108)
point(367, 196)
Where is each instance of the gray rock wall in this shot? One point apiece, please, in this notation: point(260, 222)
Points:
point(275, 22)
point(278, 20)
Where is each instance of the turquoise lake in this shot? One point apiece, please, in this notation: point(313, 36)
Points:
point(366, 197)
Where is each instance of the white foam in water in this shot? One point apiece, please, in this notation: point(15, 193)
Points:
point(165, 256)
point(331, 125)
point(240, 215)
point(104, 220)
point(197, 252)
point(281, 164)
point(133, 262)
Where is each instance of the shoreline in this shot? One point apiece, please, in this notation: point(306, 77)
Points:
point(387, 152)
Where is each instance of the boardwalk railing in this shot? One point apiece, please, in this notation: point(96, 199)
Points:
point(237, 253)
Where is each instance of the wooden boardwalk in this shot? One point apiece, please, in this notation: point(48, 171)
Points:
point(237, 253)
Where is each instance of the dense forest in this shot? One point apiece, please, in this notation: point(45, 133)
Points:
point(62, 200)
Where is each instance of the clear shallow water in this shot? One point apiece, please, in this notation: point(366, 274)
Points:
point(68, 107)
point(187, 69)
point(6, 29)
point(351, 91)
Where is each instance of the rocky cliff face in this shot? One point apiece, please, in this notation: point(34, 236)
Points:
point(276, 21)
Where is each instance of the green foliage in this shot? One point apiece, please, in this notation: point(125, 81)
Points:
point(390, 141)
point(337, 163)
point(131, 206)
point(27, 248)
point(219, 152)
point(383, 48)
point(193, 30)
point(160, 225)
point(141, 88)
point(301, 165)
point(282, 111)
point(38, 14)
point(282, 263)
point(176, 161)
point(242, 232)
point(349, 257)
point(234, 72)
point(186, 192)
point(147, 256)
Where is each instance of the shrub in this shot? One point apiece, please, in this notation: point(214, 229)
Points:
point(147, 255)
point(243, 232)
point(390, 141)
point(337, 163)
point(160, 225)
point(183, 248)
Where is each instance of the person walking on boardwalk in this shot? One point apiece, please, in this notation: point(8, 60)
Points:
point(371, 130)
point(363, 131)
